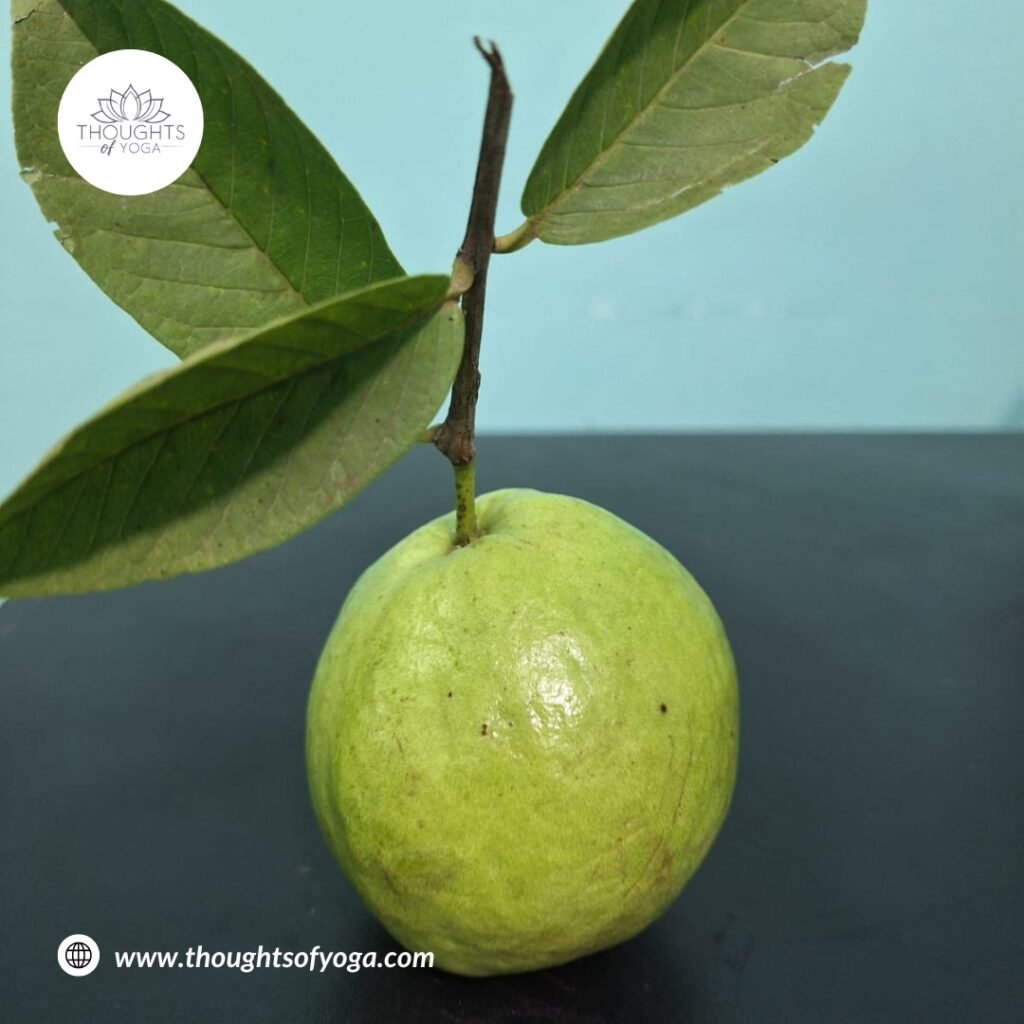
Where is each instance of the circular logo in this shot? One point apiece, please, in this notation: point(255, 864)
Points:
point(130, 122)
point(78, 955)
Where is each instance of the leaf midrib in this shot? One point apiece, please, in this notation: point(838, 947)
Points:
point(539, 219)
point(254, 245)
point(185, 28)
point(20, 508)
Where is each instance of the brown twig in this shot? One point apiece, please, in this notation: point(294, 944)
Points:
point(455, 436)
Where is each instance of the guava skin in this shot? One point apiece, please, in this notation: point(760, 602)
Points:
point(519, 751)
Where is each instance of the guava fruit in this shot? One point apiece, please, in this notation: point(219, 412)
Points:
point(520, 750)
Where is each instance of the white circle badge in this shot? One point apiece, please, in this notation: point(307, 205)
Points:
point(78, 955)
point(130, 122)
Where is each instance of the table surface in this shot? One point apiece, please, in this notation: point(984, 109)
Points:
point(153, 790)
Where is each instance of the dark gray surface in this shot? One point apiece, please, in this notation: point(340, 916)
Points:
point(153, 795)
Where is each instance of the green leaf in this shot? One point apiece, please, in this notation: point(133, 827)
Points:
point(687, 97)
point(242, 445)
point(263, 223)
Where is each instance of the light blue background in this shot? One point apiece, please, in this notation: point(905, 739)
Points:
point(871, 281)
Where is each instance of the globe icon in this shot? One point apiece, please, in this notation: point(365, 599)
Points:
point(78, 955)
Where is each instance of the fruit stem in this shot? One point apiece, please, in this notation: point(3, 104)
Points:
point(465, 504)
point(455, 437)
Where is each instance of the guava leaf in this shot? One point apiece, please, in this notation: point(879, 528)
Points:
point(243, 444)
point(263, 223)
point(687, 97)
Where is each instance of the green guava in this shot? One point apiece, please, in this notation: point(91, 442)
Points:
point(520, 750)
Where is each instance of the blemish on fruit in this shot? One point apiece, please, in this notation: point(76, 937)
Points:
point(483, 729)
point(449, 693)
point(664, 708)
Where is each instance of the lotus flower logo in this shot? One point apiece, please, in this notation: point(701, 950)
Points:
point(130, 106)
point(145, 125)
